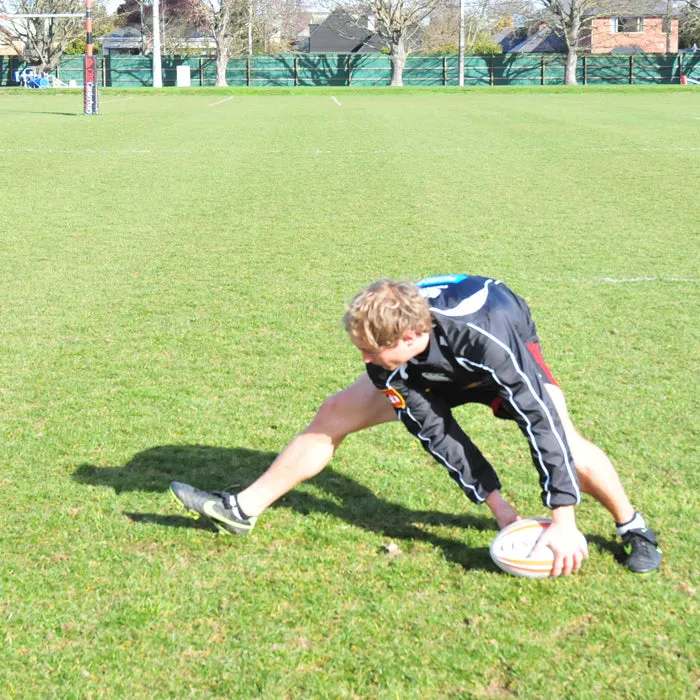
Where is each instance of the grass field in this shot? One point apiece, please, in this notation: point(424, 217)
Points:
point(173, 275)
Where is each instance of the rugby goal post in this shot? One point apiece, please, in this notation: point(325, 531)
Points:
point(90, 72)
point(91, 105)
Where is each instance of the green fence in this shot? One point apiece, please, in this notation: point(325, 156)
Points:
point(375, 69)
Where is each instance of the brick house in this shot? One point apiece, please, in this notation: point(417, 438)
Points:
point(646, 31)
point(626, 26)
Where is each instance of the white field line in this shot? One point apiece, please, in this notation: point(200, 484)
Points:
point(457, 149)
point(114, 99)
point(104, 151)
point(634, 280)
point(336, 100)
point(226, 99)
point(348, 152)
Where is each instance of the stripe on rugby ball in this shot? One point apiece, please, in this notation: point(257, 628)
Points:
point(511, 558)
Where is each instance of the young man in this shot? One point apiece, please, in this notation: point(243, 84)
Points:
point(427, 348)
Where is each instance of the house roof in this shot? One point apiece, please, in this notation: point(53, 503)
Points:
point(121, 33)
point(546, 40)
point(340, 33)
point(625, 8)
point(508, 37)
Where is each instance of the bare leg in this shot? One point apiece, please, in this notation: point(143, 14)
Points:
point(357, 407)
point(596, 473)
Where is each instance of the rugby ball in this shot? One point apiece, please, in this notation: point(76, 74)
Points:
point(511, 548)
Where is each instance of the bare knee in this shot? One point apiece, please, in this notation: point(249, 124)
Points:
point(357, 407)
point(331, 419)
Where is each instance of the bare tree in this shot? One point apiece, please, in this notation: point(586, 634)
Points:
point(44, 39)
point(275, 23)
point(442, 32)
point(102, 23)
point(175, 18)
point(573, 19)
point(395, 22)
point(569, 17)
point(226, 21)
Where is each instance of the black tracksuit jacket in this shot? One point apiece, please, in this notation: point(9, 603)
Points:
point(478, 353)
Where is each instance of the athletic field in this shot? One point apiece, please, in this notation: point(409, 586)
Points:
point(173, 276)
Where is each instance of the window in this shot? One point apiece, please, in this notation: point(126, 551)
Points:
point(627, 25)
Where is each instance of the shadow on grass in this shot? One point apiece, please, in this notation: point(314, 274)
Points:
point(212, 468)
point(608, 545)
point(59, 114)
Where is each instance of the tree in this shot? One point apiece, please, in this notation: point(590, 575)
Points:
point(441, 35)
point(174, 18)
point(573, 19)
point(226, 21)
point(395, 22)
point(134, 13)
point(102, 23)
point(689, 23)
point(44, 39)
point(274, 24)
point(569, 17)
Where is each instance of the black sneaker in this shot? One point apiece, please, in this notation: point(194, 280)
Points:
point(641, 548)
point(214, 506)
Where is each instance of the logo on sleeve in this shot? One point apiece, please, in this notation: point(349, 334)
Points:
point(396, 400)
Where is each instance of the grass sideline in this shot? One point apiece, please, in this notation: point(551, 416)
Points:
point(174, 274)
point(368, 90)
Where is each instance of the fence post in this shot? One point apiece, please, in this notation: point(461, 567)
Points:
point(680, 67)
point(491, 79)
point(631, 69)
point(349, 69)
point(543, 77)
point(444, 70)
point(296, 71)
point(201, 71)
point(247, 71)
point(104, 71)
point(585, 70)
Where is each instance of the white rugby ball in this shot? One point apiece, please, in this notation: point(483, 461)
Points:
point(511, 548)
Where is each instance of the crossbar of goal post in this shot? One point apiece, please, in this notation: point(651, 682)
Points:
point(90, 65)
point(43, 14)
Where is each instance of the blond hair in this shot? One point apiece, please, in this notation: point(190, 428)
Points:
point(381, 313)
